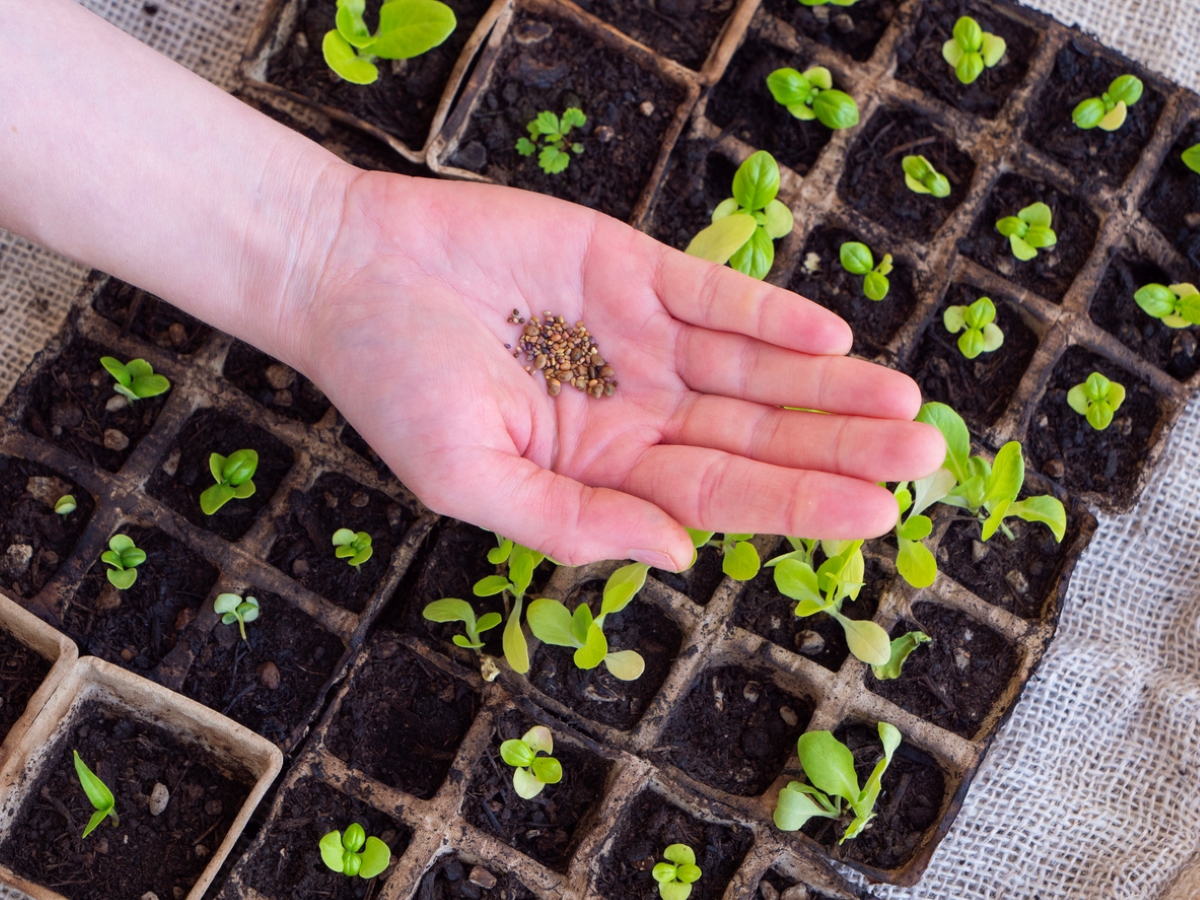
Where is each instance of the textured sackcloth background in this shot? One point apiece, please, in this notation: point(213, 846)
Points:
point(1091, 790)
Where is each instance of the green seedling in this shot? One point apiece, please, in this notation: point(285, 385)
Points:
point(977, 322)
point(902, 647)
point(451, 609)
point(407, 28)
point(1028, 231)
point(521, 563)
point(98, 795)
point(676, 876)
point(1191, 158)
point(810, 95)
point(65, 505)
point(533, 772)
point(1096, 399)
point(232, 608)
point(972, 50)
point(829, 765)
point(353, 853)
point(922, 178)
point(1109, 110)
point(739, 559)
point(124, 557)
point(233, 474)
point(135, 379)
point(744, 226)
point(1177, 305)
point(352, 546)
point(857, 259)
point(555, 154)
point(552, 623)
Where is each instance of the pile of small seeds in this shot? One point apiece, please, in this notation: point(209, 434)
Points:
point(564, 355)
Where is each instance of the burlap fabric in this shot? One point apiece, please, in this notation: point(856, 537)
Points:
point(1091, 788)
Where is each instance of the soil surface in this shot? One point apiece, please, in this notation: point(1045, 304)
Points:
point(650, 825)
point(696, 182)
point(1107, 462)
point(682, 30)
point(700, 581)
point(142, 853)
point(853, 30)
point(450, 879)
point(956, 680)
point(68, 407)
point(873, 180)
point(1051, 272)
point(781, 883)
point(1173, 201)
point(206, 432)
point(402, 719)
point(152, 319)
point(22, 671)
point(735, 730)
point(548, 64)
point(278, 387)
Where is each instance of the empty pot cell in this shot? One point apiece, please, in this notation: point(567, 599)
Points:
point(735, 730)
point(148, 317)
point(853, 30)
point(696, 181)
point(136, 627)
point(1051, 272)
point(144, 853)
point(683, 30)
point(819, 276)
point(549, 64)
point(1173, 200)
point(700, 581)
point(956, 680)
point(921, 64)
point(305, 548)
point(72, 404)
point(22, 671)
point(273, 681)
point(278, 387)
point(288, 862)
point(402, 719)
point(34, 539)
point(742, 105)
point(543, 828)
point(873, 180)
point(185, 474)
point(457, 878)
point(1081, 72)
point(595, 693)
point(652, 823)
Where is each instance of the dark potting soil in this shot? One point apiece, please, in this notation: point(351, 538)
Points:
point(234, 677)
point(544, 827)
point(402, 719)
point(595, 693)
point(742, 105)
point(135, 628)
point(548, 64)
point(1173, 200)
point(1174, 350)
point(873, 181)
point(696, 181)
point(22, 671)
point(853, 30)
point(979, 389)
point(730, 731)
point(821, 278)
point(650, 825)
point(683, 30)
point(404, 99)
point(287, 863)
point(305, 549)
point(955, 680)
point(1106, 462)
point(144, 315)
point(278, 387)
point(698, 582)
point(450, 879)
point(67, 406)
point(142, 853)
point(1095, 154)
point(1051, 272)
point(206, 432)
point(919, 60)
point(34, 539)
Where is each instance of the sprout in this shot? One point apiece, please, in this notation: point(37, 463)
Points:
point(739, 559)
point(1191, 158)
point(554, 156)
point(65, 505)
point(124, 557)
point(1109, 110)
point(980, 334)
point(451, 609)
point(233, 474)
point(675, 878)
point(1177, 305)
point(346, 853)
point(902, 647)
point(98, 795)
point(232, 608)
point(922, 178)
point(810, 95)
point(1028, 231)
point(972, 49)
point(1096, 399)
point(857, 258)
point(521, 563)
point(354, 547)
point(407, 28)
point(532, 772)
point(135, 379)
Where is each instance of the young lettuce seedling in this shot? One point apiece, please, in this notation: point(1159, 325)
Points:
point(554, 156)
point(354, 547)
point(1028, 231)
point(521, 563)
point(98, 795)
point(232, 608)
point(857, 259)
point(124, 557)
point(972, 49)
point(739, 559)
point(810, 95)
point(1096, 399)
point(676, 877)
point(407, 28)
point(922, 178)
point(1177, 305)
point(1108, 111)
point(353, 853)
point(65, 505)
point(451, 609)
point(902, 648)
point(1191, 158)
point(533, 772)
point(233, 474)
point(135, 379)
point(977, 322)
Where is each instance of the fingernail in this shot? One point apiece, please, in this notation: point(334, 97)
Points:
point(655, 559)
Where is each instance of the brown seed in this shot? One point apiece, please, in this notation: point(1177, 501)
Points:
point(597, 359)
point(539, 361)
point(607, 372)
point(531, 329)
point(553, 386)
point(268, 674)
point(610, 389)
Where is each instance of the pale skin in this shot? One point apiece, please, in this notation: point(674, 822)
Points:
point(391, 293)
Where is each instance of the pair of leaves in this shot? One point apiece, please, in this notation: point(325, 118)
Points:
point(452, 609)
point(552, 623)
point(555, 154)
point(353, 853)
point(233, 475)
point(1097, 399)
point(124, 557)
point(1108, 111)
point(676, 877)
point(980, 334)
point(407, 28)
point(521, 563)
point(98, 795)
point(352, 546)
point(136, 379)
point(810, 95)
point(856, 257)
point(922, 178)
point(65, 505)
point(1177, 305)
point(972, 49)
point(232, 608)
point(1029, 231)
point(533, 772)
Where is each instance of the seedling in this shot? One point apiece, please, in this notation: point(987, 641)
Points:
point(354, 547)
point(353, 853)
point(124, 557)
point(232, 608)
point(451, 609)
point(676, 877)
point(744, 226)
point(407, 28)
point(810, 95)
point(902, 647)
point(739, 559)
point(829, 765)
point(1096, 400)
point(98, 795)
point(1109, 110)
point(1177, 305)
point(65, 505)
point(521, 563)
point(980, 333)
point(233, 474)
point(1191, 158)
point(1028, 231)
point(857, 259)
point(972, 49)
point(533, 772)
point(922, 178)
point(135, 379)
point(553, 156)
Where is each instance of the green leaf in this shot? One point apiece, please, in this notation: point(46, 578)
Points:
point(1045, 509)
point(917, 168)
point(540, 739)
point(993, 338)
point(1011, 225)
point(65, 505)
point(621, 587)
point(525, 147)
point(581, 623)
point(866, 640)
point(239, 467)
point(722, 239)
point(132, 557)
point(625, 665)
point(375, 856)
point(1021, 250)
point(547, 770)
point(553, 161)
point(756, 181)
point(117, 370)
point(836, 109)
point(1191, 158)
point(756, 256)
point(741, 562)
point(954, 430)
point(243, 490)
point(828, 763)
point(1040, 237)
point(488, 621)
point(1126, 89)
point(119, 543)
point(448, 609)
point(901, 648)
point(517, 753)
point(969, 68)
point(97, 792)
point(967, 34)
point(970, 343)
point(408, 28)
point(465, 642)
point(491, 585)
point(139, 368)
point(778, 220)
point(1036, 214)
point(951, 52)
point(699, 538)
point(890, 736)
point(915, 528)
point(516, 649)
point(1008, 475)
point(1156, 299)
point(929, 490)
point(526, 784)
point(594, 649)
point(550, 623)
point(795, 808)
point(798, 581)
point(664, 872)
point(342, 58)
point(992, 49)
point(150, 385)
point(856, 257)
point(1088, 114)
point(876, 286)
point(1100, 415)
point(572, 117)
point(680, 854)
point(915, 563)
point(802, 112)
point(500, 553)
point(819, 77)
point(688, 873)
point(350, 22)
point(955, 318)
point(343, 537)
point(674, 890)
point(788, 86)
point(122, 580)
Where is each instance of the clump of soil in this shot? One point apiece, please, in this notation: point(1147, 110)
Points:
point(22, 671)
point(278, 387)
point(698, 582)
point(683, 30)
point(853, 30)
point(453, 877)
point(144, 315)
point(696, 181)
point(1173, 201)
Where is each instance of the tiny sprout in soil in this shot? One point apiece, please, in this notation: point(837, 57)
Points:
point(1096, 399)
point(1028, 231)
point(354, 547)
point(65, 505)
point(980, 333)
point(98, 795)
point(744, 226)
point(521, 563)
point(857, 259)
point(555, 154)
point(922, 178)
point(810, 95)
point(451, 609)
point(676, 877)
point(232, 608)
point(1177, 305)
point(533, 772)
point(972, 49)
point(233, 474)
point(739, 559)
point(407, 28)
point(136, 379)
point(1109, 110)
point(353, 853)
point(1191, 158)
point(124, 557)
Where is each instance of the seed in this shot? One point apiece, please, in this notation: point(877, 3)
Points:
point(539, 361)
point(610, 389)
point(553, 386)
point(531, 329)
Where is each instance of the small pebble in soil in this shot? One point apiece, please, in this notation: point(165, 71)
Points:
point(962, 658)
point(564, 354)
point(795, 892)
point(809, 642)
point(149, 895)
point(280, 376)
point(604, 134)
point(115, 403)
point(171, 464)
point(115, 440)
point(1017, 579)
point(46, 488)
point(789, 715)
point(482, 877)
point(752, 691)
point(978, 551)
point(268, 674)
point(646, 108)
point(177, 333)
point(16, 559)
point(159, 798)
point(767, 891)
